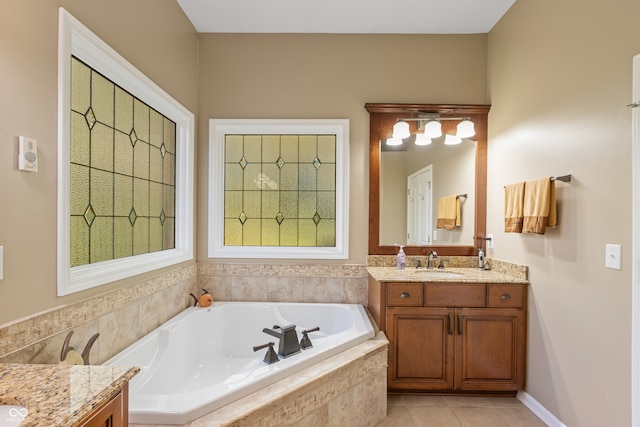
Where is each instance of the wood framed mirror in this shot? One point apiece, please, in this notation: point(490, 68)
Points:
point(382, 119)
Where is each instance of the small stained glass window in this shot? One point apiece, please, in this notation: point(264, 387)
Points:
point(280, 190)
point(123, 161)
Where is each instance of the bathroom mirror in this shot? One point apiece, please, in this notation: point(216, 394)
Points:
point(457, 169)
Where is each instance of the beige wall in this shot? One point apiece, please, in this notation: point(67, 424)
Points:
point(332, 76)
point(164, 48)
point(560, 80)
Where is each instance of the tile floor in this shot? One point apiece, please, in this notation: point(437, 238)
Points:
point(457, 411)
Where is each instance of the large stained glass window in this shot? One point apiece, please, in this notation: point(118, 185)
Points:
point(278, 188)
point(125, 167)
point(122, 171)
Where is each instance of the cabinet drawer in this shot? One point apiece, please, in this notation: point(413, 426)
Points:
point(454, 295)
point(404, 294)
point(511, 296)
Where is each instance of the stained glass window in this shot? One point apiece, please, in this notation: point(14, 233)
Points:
point(123, 161)
point(280, 190)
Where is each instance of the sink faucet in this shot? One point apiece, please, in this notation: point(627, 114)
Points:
point(288, 344)
point(432, 255)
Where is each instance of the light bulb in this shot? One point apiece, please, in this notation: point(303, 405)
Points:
point(401, 130)
point(452, 140)
point(393, 141)
point(422, 139)
point(433, 129)
point(465, 129)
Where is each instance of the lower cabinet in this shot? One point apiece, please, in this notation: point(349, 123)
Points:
point(114, 413)
point(438, 344)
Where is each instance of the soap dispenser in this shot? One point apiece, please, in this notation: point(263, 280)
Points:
point(480, 259)
point(402, 258)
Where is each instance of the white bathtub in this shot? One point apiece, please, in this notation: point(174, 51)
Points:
point(203, 358)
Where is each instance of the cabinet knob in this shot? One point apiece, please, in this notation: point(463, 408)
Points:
point(405, 295)
point(505, 297)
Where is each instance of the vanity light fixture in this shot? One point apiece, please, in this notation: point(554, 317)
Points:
point(432, 129)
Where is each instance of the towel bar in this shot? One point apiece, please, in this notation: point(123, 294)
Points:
point(564, 178)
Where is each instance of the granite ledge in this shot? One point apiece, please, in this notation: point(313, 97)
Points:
point(467, 275)
point(60, 395)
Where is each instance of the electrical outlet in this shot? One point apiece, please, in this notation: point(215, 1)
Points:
point(489, 241)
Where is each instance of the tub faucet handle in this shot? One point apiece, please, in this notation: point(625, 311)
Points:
point(271, 356)
point(305, 342)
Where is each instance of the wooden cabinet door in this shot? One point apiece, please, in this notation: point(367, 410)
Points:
point(114, 413)
point(421, 342)
point(490, 349)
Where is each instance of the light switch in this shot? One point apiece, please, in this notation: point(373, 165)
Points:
point(613, 254)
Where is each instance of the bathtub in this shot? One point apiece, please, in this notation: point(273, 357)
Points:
point(203, 358)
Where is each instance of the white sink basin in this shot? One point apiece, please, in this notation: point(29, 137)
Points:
point(12, 415)
point(437, 274)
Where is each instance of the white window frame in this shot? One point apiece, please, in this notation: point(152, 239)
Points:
point(219, 128)
point(76, 39)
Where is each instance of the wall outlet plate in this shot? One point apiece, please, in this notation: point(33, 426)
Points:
point(613, 255)
point(489, 241)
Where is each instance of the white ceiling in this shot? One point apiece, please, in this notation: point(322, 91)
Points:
point(345, 16)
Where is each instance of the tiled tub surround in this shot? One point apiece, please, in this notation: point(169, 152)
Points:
point(125, 315)
point(121, 317)
point(349, 389)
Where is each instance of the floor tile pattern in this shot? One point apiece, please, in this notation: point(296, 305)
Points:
point(457, 411)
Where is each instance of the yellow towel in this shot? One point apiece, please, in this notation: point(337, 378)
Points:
point(448, 212)
point(539, 206)
point(513, 207)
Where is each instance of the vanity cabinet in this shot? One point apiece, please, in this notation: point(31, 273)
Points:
point(452, 337)
point(113, 413)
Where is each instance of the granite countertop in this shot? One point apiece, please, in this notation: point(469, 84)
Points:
point(60, 395)
point(463, 275)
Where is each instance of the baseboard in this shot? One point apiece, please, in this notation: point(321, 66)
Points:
point(540, 411)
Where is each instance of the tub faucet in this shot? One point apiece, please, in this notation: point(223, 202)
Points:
point(432, 255)
point(288, 344)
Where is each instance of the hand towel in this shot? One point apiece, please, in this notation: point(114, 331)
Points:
point(539, 206)
point(513, 207)
point(448, 212)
